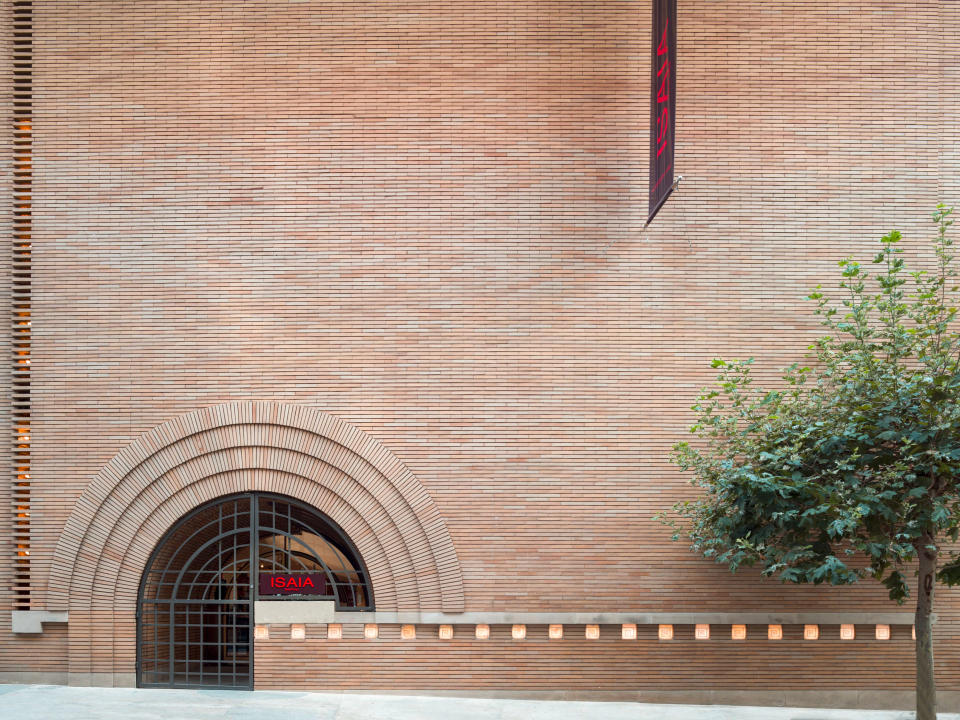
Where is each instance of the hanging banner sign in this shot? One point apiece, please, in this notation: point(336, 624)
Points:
point(663, 85)
point(293, 584)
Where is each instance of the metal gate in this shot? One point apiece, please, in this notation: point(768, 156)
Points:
point(195, 606)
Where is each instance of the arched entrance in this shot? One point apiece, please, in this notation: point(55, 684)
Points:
point(291, 450)
point(195, 605)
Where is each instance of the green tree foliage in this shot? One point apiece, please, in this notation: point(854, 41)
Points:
point(853, 467)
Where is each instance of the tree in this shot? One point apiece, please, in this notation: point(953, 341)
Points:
point(852, 468)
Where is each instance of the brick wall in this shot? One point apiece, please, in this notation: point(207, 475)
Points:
point(574, 663)
point(579, 667)
point(424, 219)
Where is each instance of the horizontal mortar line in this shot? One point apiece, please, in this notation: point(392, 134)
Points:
point(619, 618)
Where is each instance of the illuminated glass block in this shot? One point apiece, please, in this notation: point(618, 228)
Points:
point(408, 632)
point(665, 632)
point(592, 632)
point(847, 632)
point(883, 632)
point(628, 631)
point(811, 632)
point(334, 631)
point(774, 632)
point(518, 632)
point(701, 631)
point(913, 632)
point(445, 632)
point(555, 632)
point(261, 632)
point(738, 632)
point(483, 632)
point(298, 632)
point(371, 631)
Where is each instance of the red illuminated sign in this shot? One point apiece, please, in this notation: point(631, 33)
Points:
point(293, 584)
point(663, 86)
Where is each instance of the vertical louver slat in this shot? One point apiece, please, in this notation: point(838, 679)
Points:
point(20, 295)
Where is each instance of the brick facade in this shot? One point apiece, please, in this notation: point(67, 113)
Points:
point(387, 257)
point(644, 669)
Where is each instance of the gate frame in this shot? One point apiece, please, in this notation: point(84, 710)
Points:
point(252, 531)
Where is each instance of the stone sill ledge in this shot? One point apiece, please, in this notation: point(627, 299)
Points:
point(30, 622)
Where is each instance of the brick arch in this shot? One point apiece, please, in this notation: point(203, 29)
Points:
point(110, 648)
point(293, 450)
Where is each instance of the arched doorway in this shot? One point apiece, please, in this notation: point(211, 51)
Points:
point(195, 605)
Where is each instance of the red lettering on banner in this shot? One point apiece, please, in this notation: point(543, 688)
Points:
point(663, 94)
point(662, 176)
point(663, 124)
point(664, 46)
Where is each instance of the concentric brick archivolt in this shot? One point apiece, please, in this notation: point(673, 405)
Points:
point(287, 449)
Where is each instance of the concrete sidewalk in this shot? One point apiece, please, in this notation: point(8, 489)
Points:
point(55, 702)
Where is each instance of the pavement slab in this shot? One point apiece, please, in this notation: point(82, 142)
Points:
point(56, 702)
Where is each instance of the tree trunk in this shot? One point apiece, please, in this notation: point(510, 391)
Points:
point(926, 684)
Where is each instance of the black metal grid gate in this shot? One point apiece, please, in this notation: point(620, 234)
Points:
point(195, 607)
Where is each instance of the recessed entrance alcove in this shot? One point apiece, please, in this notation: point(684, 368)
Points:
point(195, 608)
